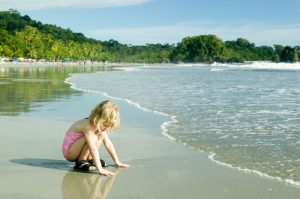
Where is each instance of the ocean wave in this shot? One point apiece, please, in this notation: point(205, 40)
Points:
point(192, 64)
point(217, 69)
point(258, 65)
point(128, 69)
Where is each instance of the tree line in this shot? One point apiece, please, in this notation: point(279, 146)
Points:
point(20, 36)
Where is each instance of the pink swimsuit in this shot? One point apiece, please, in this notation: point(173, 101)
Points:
point(69, 139)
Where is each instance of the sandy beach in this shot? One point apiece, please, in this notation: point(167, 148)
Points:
point(32, 165)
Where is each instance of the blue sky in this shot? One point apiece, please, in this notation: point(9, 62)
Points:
point(263, 22)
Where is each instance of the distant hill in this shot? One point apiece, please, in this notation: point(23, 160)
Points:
point(12, 21)
point(21, 36)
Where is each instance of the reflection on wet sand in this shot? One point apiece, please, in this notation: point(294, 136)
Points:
point(23, 88)
point(86, 185)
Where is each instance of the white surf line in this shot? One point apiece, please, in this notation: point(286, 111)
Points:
point(296, 184)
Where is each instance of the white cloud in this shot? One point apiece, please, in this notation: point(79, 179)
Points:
point(23, 5)
point(260, 34)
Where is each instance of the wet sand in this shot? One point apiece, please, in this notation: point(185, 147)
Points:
point(32, 165)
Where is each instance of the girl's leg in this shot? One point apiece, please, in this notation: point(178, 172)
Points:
point(85, 153)
point(76, 149)
point(80, 150)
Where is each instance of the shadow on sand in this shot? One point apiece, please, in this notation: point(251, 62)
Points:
point(45, 163)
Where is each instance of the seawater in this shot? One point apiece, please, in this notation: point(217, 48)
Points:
point(244, 117)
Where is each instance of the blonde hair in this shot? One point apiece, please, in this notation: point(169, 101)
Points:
point(105, 114)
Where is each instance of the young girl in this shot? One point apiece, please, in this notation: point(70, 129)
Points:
point(84, 137)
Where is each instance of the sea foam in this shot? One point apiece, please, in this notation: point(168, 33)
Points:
point(259, 65)
point(212, 155)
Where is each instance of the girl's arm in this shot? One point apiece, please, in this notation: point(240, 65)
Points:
point(112, 152)
point(90, 139)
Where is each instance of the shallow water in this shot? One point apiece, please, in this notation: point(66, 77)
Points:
point(247, 118)
point(25, 89)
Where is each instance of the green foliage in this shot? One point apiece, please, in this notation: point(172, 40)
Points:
point(20, 36)
point(241, 50)
point(150, 53)
point(32, 43)
point(289, 54)
point(203, 48)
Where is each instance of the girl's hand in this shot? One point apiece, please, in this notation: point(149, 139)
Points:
point(120, 164)
point(106, 172)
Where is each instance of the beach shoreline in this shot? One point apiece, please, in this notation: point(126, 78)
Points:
point(180, 171)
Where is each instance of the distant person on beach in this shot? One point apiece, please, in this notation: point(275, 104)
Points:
point(84, 137)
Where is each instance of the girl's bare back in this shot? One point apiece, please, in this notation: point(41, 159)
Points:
point(80, 126)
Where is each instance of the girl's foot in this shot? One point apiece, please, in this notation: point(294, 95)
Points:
point(82, 165)
point(103, 163)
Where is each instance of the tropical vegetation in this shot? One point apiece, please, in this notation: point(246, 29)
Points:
point(20, 36)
